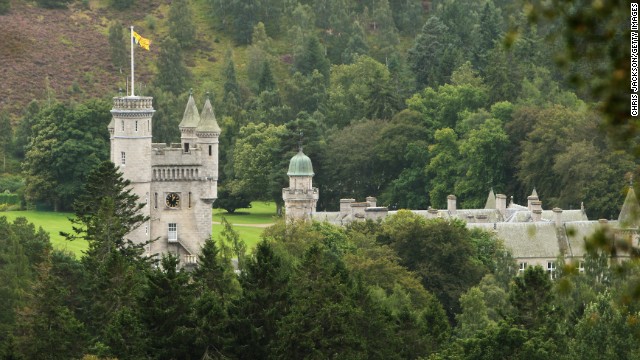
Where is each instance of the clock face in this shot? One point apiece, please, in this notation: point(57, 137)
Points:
point(173, 200)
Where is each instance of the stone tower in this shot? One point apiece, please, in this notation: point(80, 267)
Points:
point(177, 182)
point(130, 137)
point(300, 198)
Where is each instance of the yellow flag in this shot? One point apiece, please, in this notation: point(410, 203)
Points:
point(144, 43)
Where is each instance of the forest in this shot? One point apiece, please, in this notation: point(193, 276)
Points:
point(405, 100)
point(405, 288)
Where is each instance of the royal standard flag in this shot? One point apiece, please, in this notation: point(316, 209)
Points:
point(144, 43)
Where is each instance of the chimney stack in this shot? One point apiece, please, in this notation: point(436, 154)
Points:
point(371, 201)
point(451, 204)
point(557, 214)
point(501, 203)
point(536, 215)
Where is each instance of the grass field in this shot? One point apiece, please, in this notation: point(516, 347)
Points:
point(260, 213)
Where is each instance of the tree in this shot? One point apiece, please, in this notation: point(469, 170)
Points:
point(172, 75)
point(432, 56)
point(121, 4)
point(440, 252)
point(168, 314)
point(322, 317)
point(6, 138)
point(48, 327)
point(181, 25)
point(482, 163)
point(66, 143)
point(231, 92)
point(256, 152)
point(444, 166)
point(313, 58)
point(356, 45)
point(5, 6)
point(117, 44)
point(105, 213)
point(265, 301)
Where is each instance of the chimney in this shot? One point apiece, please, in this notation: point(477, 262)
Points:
point(536, 205)
point(557, 214)
point(433, 213)
point(536, 215)
point(371, 201)
point(451, 204)
point(501, 203)
point(531, 198)
point(345, 206)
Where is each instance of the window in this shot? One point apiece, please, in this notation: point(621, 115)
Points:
point(581, 266)
point(155, 200)
point(124, 157)
point(148, 126)
point(173, 232)
point(146, 229)
point(189, 199)
point(523, 267)
point(136, 125)
point(186, 147)
point(551, 269)
point(122, 125)
point(210, 150)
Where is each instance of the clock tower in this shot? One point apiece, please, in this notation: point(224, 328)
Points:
point(177, 182)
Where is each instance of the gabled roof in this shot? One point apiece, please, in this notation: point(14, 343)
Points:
point(208, 121)
point(191, 117)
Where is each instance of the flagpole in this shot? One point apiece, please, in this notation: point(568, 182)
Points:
point(132, 69)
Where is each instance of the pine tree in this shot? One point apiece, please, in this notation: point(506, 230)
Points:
point(5, 5)
point(173, 75)
point(181, 25)
point(264, 301)
point(118, 46)
point(313, 58)
point(105, 213)
point(168, 313)
point(267, 82)
point(231, 87)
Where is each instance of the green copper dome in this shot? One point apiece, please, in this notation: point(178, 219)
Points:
point(300, 165)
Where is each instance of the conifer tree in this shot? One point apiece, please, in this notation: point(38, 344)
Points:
point(313, 58)
point(267, 82)
point(265, 300)
point(181, 25)
point(173, 75)
point(231, 88)
point(168, 312)
point(118, 46)
point(105, 213)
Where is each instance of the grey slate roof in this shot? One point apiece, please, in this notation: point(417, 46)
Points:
point(208, 121)
point(191, 118)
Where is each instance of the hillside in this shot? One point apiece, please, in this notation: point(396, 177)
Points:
point(70, 48)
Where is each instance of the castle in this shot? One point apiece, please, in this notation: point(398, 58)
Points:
point(177, 182)
point(534, 236)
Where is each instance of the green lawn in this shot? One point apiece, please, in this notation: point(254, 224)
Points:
point(259, 213)
point(53, 223)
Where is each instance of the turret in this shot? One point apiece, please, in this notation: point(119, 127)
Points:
point(208, 133)
point(300, 198)
point(188, 125)
point(130, 130)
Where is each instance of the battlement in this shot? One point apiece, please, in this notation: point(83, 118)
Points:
point(133, 103)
